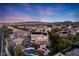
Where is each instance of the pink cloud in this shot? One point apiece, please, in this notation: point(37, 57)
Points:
point(20, 17)
point(46, 11)
point(15, 16)
point(13, 19)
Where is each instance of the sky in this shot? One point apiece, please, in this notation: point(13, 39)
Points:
point(44, 12)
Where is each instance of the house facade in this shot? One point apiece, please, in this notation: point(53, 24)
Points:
point(39, 38)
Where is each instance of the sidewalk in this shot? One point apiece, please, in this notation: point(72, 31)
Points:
point(6, 48)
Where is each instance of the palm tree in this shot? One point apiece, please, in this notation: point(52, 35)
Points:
point(18, 51)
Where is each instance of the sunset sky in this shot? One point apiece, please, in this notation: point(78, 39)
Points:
point(44, 12)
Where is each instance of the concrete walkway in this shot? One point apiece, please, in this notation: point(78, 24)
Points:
point(59, 54)
point(6, 49)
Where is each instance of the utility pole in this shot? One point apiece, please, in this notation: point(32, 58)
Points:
point(2, 38)
point(2, 44)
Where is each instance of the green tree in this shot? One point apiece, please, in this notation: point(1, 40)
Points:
point(77, 36)
point(64, 43)
point(7, 32)
point(54, 47)
point(18, 51)
point(57, 43)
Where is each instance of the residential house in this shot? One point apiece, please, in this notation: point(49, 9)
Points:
point(40, 38)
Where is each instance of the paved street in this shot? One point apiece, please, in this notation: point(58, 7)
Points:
point(2, 43)
point(0, 40)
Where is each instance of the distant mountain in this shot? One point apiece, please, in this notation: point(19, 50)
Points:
point(33, 22)
point(49, 23)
